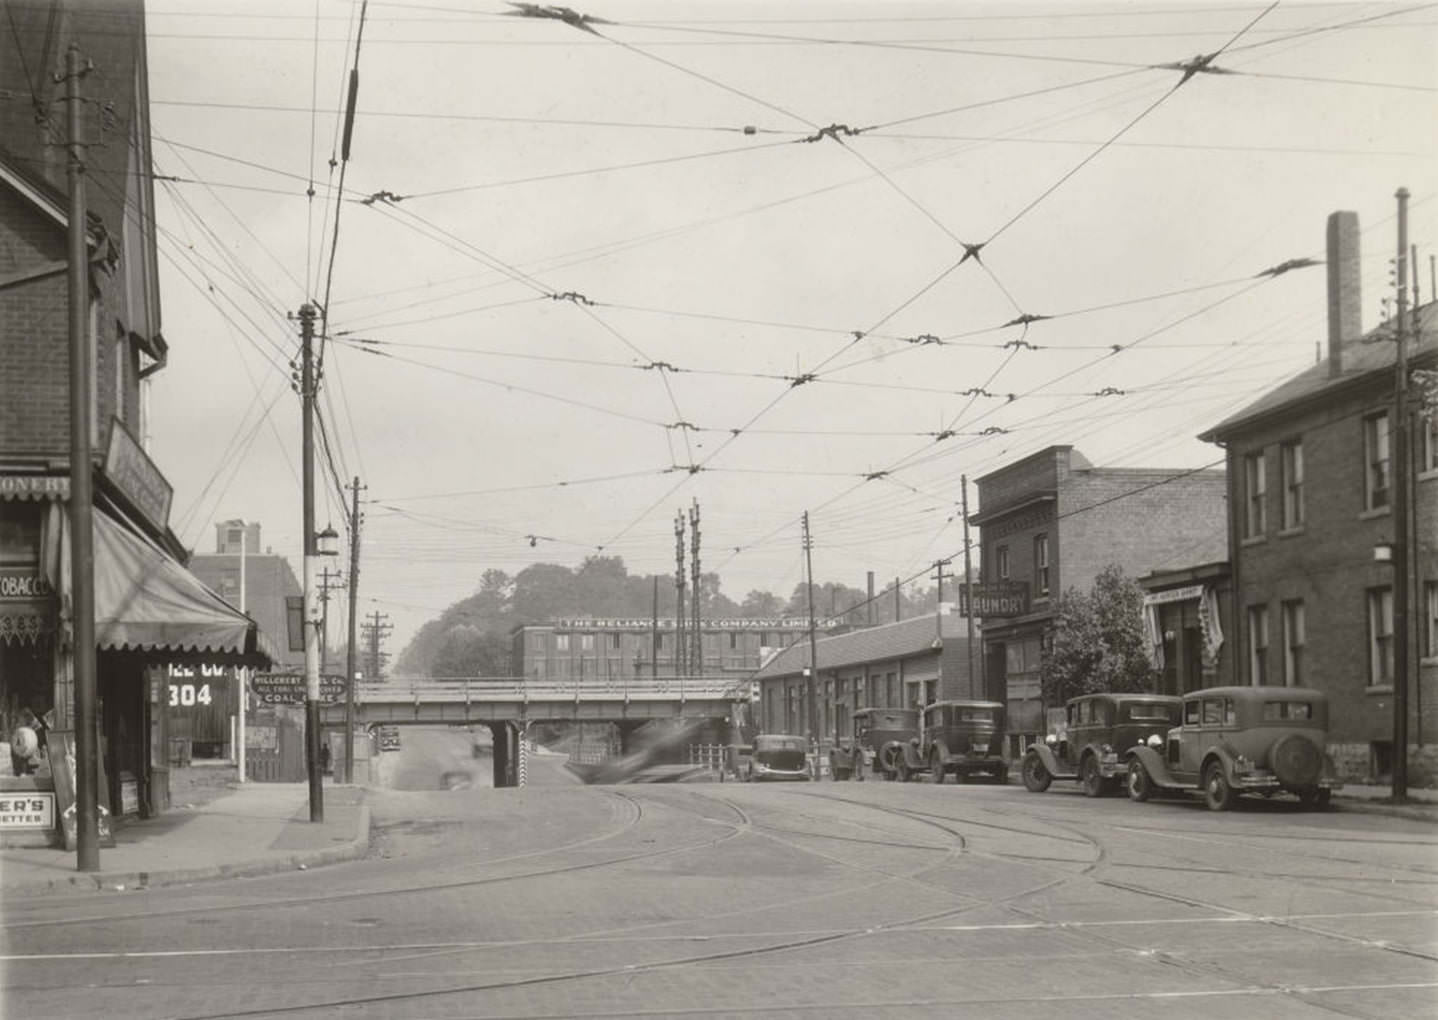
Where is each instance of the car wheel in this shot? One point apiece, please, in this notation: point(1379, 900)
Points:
point(936, 768)
point(1036, 777)
point(1089, 776)
point(1140, 785)
point(1315, 798)
point(1217, 794)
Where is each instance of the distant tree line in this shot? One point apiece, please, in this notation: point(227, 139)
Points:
point(471, 637)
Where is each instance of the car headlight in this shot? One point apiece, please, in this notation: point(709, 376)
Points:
point(1154, 741)
point(1051, 739)
point(1242, 764)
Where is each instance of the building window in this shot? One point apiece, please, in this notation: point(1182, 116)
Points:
point(614, 641)
point(586, 642)
point(1294, 630)
point(1001, 562)
point(1292, 468)
point(733, 641)
point(561, 642)
point(1258, 645)
point(1255, 495)
point(1041, 563)
point(1430, 619)
point(1380, 636)
point(1376, 461)
point(658, 642)
point(1428, 445)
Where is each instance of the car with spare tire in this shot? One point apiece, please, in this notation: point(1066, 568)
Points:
point(1237, 740)
point(877, 745)
point(1094, 743)
point(961, 738)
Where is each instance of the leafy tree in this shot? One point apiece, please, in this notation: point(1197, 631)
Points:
point(760, 605)
point(1098, 641)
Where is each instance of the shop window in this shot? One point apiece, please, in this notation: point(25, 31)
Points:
point(1380, 636)
point(1376, 461)
point(1255, 495)
point(1292, 467)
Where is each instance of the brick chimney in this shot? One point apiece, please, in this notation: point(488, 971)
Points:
point(1345, 287)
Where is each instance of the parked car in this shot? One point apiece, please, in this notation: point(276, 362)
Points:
point(1234, 740)
point(960, 737)
point(778, 756)
point(877, 745)
point(1100, 731)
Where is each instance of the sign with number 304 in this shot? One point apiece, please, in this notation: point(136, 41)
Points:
point(187, 695)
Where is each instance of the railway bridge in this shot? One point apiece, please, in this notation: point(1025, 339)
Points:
point(508, 705)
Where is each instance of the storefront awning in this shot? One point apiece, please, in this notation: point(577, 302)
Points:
point(144, 600)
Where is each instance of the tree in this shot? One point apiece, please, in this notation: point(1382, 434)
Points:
point(1098, 641)
point(761, 605)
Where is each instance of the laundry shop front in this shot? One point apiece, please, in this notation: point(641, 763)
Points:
point(152, 616)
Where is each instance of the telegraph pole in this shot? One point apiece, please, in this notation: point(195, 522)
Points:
point(679, 637)
point(939, 566)
point(812, 687)
point(82, 535)
point(330, 580)
point(1400, 514)
point(350, 648)
point(968, 580)
point(376, 627)
point(311, 553)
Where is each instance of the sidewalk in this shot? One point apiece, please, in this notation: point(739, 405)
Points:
point(248, 830)
point(1422, 803)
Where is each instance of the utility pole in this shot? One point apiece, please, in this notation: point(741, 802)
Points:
point(812, 687)
point(242, 674)
point(697, 638)
point(376, 627)
point(82, 535)
point(898, 602)
point(968, 580)
point(1401, 545)
point(311, 552)
point(654, 635)
point(330, 580)
point(939, 566)
point(869, 602)
point(679, 650)
point(350, 649)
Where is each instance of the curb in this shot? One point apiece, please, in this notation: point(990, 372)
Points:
point(1420, 812)
point(138, 881)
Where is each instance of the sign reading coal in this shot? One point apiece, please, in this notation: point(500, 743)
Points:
point(289, 688)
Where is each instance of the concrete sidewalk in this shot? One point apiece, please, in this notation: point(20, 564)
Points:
point(253, 829)
point(1422, 803)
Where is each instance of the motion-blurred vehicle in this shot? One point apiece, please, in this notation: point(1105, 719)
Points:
point(965, 738)
point(389, 738)
point(456, 781)
point(877, 744)
point(1235, 740)
point(778, 757)
point(1100, 732)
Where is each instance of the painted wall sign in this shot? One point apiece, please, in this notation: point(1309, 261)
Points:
point(997, 599)
point(289, 688)
point(23, 584)
point(34, 486)
point(136, 475)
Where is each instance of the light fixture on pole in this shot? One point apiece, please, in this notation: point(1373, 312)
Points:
point(327, 542)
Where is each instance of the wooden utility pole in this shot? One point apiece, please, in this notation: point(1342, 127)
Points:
point(1401, 545)
point(350, 647)
point(82, 535)
point(330, 580)
point(376, 627)
point(654, 634)
point(311, 554)
point(696, 640)
point(679, 649)
point(812, 687)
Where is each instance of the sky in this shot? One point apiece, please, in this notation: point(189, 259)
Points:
point(585, 275)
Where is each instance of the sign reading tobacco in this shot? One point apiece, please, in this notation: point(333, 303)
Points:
point(289, 688)
point(997, 599)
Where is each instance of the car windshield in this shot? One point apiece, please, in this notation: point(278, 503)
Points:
point(985, 715)
point(1277, 710)
point(779, 744)
point(1141, 711)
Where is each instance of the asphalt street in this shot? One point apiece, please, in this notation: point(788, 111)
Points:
point(834, 899)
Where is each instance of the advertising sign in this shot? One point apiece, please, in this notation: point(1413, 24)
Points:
point(289, 688)
point(997, 599)
point(132, 471)
point(31, 809)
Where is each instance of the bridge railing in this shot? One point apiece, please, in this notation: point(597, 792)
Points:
point(473, 689)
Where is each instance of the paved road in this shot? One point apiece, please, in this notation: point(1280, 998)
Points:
point(849, 900)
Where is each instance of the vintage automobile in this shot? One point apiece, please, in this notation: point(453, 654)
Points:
point(1100, 730)
point(1234, 740)
point(879, 737)
point(962, 737)
point(778, 756)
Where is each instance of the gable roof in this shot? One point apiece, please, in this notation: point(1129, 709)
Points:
point(1364, 361)
point(871, 644)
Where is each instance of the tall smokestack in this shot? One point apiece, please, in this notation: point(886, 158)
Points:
point(1345, 287)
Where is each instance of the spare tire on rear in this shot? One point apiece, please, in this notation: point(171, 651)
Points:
point(1296, 760)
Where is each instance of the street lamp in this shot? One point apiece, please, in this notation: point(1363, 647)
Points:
point(327, 542)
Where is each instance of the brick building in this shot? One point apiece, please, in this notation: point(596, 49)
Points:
point(149, 610)
point(1051, 522)
point(893, 665)
point(1310, 472)
point(618, 649)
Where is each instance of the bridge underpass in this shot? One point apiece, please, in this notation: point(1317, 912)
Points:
point(508, 706)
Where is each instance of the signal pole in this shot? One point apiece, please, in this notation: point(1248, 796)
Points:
point(311, 554)
point(82, 536)
point(350, 648)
